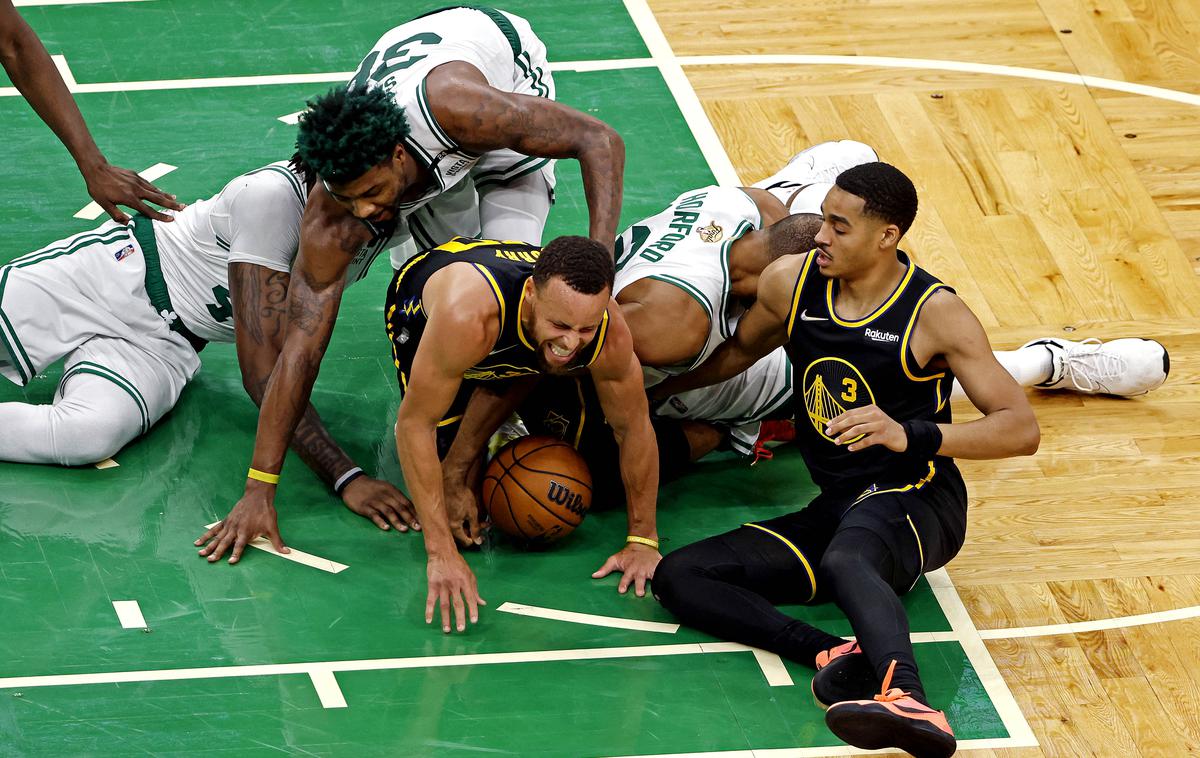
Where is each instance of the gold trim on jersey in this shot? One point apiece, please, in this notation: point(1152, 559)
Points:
point(920, 551)
point(878, 311)
point(912, 322)
point(582, 413)
point(804, 269)
point(812, 579)
point(457, 246)
point(914, 486)
point(598, 343)
point(520, 322)
point(823, 405)
point(404, 269)
point(449, 421)
point(495, 291)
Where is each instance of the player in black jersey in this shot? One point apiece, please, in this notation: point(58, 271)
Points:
point(472, 324)
point(876, 343)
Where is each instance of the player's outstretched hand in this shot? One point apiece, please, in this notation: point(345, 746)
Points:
point(380, 502)
point(111, 186)
point(861, 428)
point(452, 584)
point(462, 508)
point(251, 518)
point(636, 562)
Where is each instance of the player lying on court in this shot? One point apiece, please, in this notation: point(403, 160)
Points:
point(472, 325)
point(135, 304)
point(449, 127)
point(687, 274)
point(872, 367)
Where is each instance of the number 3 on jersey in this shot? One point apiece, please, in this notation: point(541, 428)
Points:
point(395, 58)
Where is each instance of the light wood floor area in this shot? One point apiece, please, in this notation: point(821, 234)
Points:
point(1055, 209)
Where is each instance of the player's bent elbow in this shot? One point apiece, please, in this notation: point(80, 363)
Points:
point(1030, 437)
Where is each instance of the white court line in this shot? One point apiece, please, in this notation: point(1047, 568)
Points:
point(1019, 732)
point(1017, 72)
point(817, 752)
point(92, 211)
point(773, 669)
point(1077, 627)
point(327, 688)
point(296, 556)
point(681, 89)
point(374, 664)
point(34, 3)
point(107, 463)
point(64, 70)
point(587, 618)
point(129, 613)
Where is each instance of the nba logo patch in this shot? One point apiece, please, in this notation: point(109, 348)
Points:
point(123, 253)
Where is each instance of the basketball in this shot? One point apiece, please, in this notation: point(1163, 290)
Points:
point(537, 489)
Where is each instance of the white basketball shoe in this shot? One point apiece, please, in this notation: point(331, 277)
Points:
point(1124, 367)
point(819, 164)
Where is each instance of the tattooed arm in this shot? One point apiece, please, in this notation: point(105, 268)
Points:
point(328, 240)
point(259, 297)
point(481, 118)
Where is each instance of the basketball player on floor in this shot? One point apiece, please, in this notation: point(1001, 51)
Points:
point(686, 275)
point(132, 306)
point(449, 127)
point(473, 323)
point(874, 357)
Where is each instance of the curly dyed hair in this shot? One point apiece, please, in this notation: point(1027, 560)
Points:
point(348, 130)
point(887, 193)
point(584, 264)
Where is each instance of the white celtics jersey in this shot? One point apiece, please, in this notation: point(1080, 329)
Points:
point(502, 46)
point(738, 403)
point(687, 245)
point(254, 219)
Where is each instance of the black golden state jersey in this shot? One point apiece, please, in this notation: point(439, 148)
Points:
point(840, 365)
point(505, 266)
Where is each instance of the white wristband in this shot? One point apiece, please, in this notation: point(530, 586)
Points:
point(345, 479)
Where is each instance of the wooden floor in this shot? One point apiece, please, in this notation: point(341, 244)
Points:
point(1054, 209)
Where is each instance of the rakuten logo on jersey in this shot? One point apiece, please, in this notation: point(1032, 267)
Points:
point(878, 336)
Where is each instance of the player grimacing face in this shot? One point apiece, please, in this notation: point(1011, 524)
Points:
point(561, 321)
point(850, 241)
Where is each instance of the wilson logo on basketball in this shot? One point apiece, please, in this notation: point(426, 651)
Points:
point(561, 494)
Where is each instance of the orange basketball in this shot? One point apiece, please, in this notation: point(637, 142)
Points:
point(537, 489)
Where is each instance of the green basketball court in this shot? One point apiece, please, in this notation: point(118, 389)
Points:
point(333, 658)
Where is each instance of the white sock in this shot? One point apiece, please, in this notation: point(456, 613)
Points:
point(1028, 365)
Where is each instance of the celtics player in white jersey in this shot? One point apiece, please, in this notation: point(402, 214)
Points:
point(132, 306)
point(450, 120)
point(687, 274)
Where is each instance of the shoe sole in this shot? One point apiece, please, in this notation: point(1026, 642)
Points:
point(851, 677)
point(877, 729)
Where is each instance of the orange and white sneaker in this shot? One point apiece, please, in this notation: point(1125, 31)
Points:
point(892, 719)
point(843, 673)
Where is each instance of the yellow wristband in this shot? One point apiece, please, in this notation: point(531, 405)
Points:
point(263, 476)
point(642, 541)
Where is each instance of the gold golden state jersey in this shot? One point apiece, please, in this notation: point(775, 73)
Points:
point(505, 266)
point(841, 364)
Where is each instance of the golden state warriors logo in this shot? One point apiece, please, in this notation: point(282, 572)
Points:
point(711, 233)
point(833, 386)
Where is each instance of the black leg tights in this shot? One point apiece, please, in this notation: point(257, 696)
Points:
point(728, 586)
point(866, 581)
